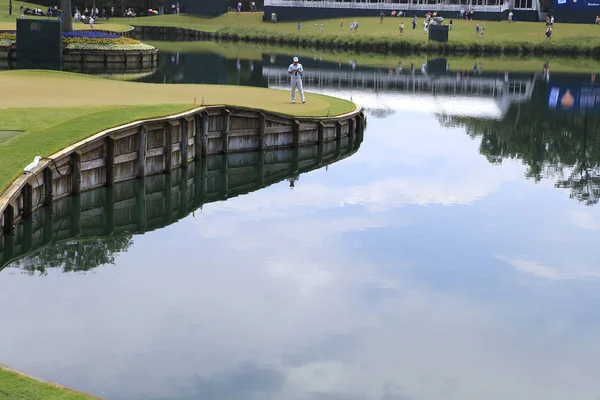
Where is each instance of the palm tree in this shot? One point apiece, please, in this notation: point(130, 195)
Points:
point(67, 20)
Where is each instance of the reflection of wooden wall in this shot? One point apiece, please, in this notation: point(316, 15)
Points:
point(141, 205)
point(159, 146)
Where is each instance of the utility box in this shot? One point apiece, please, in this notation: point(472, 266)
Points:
point(439, 33)
point(39, 44)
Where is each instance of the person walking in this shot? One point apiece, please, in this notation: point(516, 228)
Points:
point(381, 17)
point(414, 22)
point(401, 28)
point(295, 71)
point(92, 23)
point(341, 25)
point(298, 26)
point(510, 16)
point(477, 30)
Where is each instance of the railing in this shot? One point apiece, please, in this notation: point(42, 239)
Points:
point(385, 6)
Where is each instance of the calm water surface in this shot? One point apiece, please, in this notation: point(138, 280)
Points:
point(453, 256)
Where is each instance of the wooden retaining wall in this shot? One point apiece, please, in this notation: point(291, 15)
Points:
point(158, 146)
point(95, 61)
point(141, 205)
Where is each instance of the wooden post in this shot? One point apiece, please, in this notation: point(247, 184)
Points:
point(168, 147)
point(183, 126)
point(27, 236)
point(48, 224)
point(110, 161)
point(261, 169)
point(48, 186)
point(76, 215)
point(261, 131)
point(321, 130)
point(109, 211)
point(225, 135)
point(295, 161)
point(9, 218)
point(338, 149)
point(198, 137)
point(168, 198)
point(225, 173)
point(27, 201)
point(351, 127)
point(296, 133)
point(183, 192)
point(9, 247)
point(205, 122)
point(76, 174)
point(360, 122)
point(338, 131)
point(142, 152)
point(320, 154)
point(141, 203)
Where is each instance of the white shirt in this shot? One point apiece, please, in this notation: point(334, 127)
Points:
point(296, 74)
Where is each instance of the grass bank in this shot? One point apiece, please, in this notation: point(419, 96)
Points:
point(252, 51)
point(87, 105)
point(501, 37)
point(14, 386)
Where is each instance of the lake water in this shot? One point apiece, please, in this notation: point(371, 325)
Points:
point(451, 256)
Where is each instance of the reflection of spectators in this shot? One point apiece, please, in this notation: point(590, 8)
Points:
point(238, 65)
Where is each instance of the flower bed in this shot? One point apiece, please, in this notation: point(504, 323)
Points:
point(87, 40)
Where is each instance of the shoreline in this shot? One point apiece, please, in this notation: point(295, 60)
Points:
point(73, 394)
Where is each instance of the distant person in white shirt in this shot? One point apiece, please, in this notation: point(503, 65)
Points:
point(295, 71)
point(91, 22)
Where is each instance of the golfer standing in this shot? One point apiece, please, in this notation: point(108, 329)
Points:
point(295, 71)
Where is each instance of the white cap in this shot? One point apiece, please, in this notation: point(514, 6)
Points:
point(295, 59)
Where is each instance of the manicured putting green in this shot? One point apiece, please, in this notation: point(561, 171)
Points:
point(32, 89)
point(57, 109)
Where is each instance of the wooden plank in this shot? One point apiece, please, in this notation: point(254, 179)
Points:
point(93, 164)
point(279, 120)
point(338, 131)
point(142, 152)
point(154, 126)
point(278, 129)
point(225, 134)
point(110, 161)
point(184, 141)
point(176, 146)
point(123, 134)
point(89, 146)
point(159, 151)
point(76, 174)
point(244, 114)
point(123, 158)
point(244, 132)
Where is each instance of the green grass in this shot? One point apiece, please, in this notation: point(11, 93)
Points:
point(7, 22)
point(17, 387)
point(251, 51)
point(369, 27)
point(53, 122)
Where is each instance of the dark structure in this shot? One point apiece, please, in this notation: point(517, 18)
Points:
point(40, 44)
point(438, 33)
point(212, 8)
